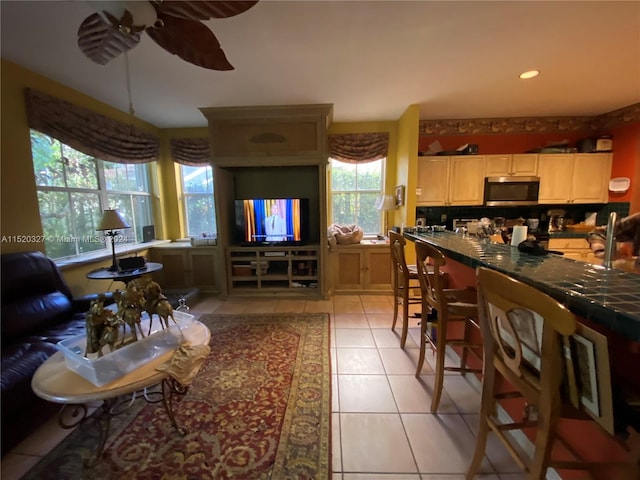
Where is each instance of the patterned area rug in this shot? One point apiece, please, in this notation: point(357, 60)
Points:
point(259, 408)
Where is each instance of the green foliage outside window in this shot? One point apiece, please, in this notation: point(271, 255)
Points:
point(354, 190)
point(74, 188)
point(197, 187)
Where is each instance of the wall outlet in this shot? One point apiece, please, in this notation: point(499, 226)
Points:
point(443, 217)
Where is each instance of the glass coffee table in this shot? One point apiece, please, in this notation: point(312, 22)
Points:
point(54, 382)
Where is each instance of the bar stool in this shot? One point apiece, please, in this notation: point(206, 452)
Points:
point(405, 287)
point(526, 339)
point(442, 307)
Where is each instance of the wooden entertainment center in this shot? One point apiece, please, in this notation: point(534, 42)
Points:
point(273, 269)
point(271, 152)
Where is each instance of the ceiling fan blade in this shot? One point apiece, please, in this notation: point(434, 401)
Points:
point(203, 10)
point(190, 40)
point(100, 41)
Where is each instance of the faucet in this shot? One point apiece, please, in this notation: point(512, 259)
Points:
point(610, 246)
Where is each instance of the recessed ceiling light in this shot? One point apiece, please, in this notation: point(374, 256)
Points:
point(529, 74)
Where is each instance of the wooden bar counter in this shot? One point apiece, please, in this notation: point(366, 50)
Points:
point(606, 300)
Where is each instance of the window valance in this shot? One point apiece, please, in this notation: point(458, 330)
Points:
point(359, 147)
point(90, 132)
point(191, 151)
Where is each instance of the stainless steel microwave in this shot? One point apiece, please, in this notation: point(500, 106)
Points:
point(510, 191)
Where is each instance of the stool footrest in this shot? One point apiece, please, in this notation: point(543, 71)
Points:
point(463, 369)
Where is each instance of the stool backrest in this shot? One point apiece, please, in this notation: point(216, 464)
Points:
point(431, 282)
point(401, 272)
point(526, 337)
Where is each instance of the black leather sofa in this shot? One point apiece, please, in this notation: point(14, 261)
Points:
point(38, 310)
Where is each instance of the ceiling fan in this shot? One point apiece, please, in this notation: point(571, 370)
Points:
point(174, 25)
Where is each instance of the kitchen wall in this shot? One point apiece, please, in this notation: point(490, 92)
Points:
point(626, 162)
point(520, 135)
point(489, 144)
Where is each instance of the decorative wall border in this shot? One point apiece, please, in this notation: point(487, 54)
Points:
point(518, 125)
point(619, 117)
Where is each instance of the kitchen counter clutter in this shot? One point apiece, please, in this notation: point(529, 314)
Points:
point(610, 298)
point(573, 245)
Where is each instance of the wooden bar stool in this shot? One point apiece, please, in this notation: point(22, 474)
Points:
point(441, 307)
point(526, 341)
point(405, 284)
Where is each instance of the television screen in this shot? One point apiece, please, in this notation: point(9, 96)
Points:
point(271, 221)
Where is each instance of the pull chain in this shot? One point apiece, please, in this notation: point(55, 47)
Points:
point(129, 94)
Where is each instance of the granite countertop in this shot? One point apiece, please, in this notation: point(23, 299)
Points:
point(608, 297)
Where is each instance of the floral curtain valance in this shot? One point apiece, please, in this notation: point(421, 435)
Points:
point(359, 147)
point(89, 132)
point(191, 151)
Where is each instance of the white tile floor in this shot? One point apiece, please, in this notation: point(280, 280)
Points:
point(382, 428)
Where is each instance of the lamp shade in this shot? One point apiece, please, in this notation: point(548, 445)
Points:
point(112, 220)
point(385, 202)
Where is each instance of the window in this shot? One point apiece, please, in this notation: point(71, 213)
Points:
point(74, 188)
point(197, 195)
point(354, 190)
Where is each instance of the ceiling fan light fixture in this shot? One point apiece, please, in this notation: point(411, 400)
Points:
point(176, 26)
point(529, 74)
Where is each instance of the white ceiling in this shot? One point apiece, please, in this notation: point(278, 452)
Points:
point(371, 59)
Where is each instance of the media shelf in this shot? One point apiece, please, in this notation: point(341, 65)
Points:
point(290, 271)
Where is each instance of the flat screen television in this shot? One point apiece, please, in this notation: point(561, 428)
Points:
point(272, 221)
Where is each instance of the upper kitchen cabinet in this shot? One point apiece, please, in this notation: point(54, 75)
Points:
point(433, 180)
point(520, 165)
point(273, 135)
point(555, 172)
point(455, 180)
point(591, 175)
point(574, 178)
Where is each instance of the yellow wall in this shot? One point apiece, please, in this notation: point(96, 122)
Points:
point(19, 212)
point(401, 160)
point(173, 211)
point(407, 167)
point(392, 156)
point(408, 161)
point(19, 202)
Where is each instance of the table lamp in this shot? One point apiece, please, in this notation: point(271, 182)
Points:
point(385, 203)
point(110, 222)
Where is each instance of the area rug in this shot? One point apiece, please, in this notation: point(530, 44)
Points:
point(259, 408)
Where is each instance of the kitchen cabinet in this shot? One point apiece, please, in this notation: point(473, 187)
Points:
point(361, 268)
point(576, 248)
point(590, 180)
point(574, 178)
point(519, 165)
point(454, 180)
point(433, 177)
point(184, 266)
